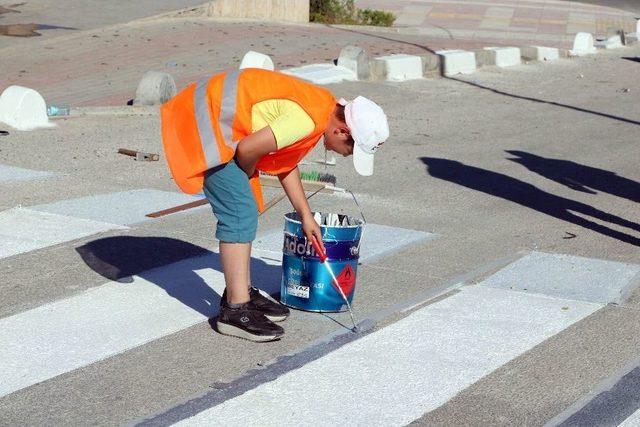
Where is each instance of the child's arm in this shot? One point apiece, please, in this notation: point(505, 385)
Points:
point(252, 147)
point(293, 187)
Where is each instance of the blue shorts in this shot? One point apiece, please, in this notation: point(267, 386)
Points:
point(229, 193)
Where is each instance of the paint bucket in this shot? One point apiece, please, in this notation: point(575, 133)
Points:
point(306, 283)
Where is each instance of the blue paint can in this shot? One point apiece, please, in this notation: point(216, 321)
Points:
point(306, 283)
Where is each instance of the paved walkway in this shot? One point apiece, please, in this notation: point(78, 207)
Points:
point(103, 66)
point(549, 21)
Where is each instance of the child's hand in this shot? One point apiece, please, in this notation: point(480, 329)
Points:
point(311, 230)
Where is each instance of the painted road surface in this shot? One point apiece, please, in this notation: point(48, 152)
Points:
point(408, 368)
point(37, 227)
point(443, 348)
point(101, 322)
point(56, 338)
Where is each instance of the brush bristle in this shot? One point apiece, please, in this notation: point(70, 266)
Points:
point(319, 177)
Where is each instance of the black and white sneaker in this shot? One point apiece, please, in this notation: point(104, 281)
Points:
point(274, 311)
point(246, 321)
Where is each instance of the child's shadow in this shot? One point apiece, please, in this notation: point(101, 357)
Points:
point(172, 265)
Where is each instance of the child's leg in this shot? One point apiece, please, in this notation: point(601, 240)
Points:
point(235, 263)
point(228, 190)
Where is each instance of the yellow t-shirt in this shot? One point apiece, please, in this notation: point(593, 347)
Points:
point(288, 120)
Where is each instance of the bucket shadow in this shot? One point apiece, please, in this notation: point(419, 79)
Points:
point(579, 177)
point(172, 265)
point(525, 194)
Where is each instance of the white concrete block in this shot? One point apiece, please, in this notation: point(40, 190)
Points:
point(355, 59)
point(541, 53)
point(612, 42)
point(155, 88)
point(401, 67)
point(457, 62)
point(583, 45)
point(322, 73)
point(23, 109)
point(505, 56)
point(253, 59)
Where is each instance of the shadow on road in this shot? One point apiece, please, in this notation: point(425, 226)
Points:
point(579, 177)
point(541, 101)
point(172, 265)
point(514, 190)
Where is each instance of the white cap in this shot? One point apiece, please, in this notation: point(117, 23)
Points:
point(369, 129)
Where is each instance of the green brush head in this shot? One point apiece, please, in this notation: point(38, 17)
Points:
point(318, 177)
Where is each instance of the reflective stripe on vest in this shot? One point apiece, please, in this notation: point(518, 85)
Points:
point(228, 107)
point(205, 128)
point(227, 114)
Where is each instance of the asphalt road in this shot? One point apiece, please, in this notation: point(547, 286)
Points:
point(536, 163)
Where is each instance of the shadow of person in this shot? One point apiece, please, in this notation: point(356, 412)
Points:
point(174, 265)
point(579, 177)
point(508, 188)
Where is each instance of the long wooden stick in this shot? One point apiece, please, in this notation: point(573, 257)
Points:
point(265, 181)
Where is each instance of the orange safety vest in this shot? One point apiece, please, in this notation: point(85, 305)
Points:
point(202, 125)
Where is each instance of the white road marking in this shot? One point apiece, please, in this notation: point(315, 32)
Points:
point(567, 276)
point(55, 338)
point(23, 230)
point(124, 208)
point(12, 173)
point(395, 375)
point(377, 241)
point(632, 421)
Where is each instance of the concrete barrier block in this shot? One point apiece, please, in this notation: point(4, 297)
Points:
point(505, 56)
point(611, 42)
point(583, 45)
point(484, 58)
point(155, 88)
point(357, 60)
point(253, 59)
point(631, 39)
point(457, 62)
point(539, 53)
point(322, 73)
point(431, 65)
point(23, 108)
point(400, 67)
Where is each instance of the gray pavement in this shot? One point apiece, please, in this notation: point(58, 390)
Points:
point(628, 5)
point(540, 157)
point(63, 17)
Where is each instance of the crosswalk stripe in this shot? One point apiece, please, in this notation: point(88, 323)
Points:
point(632, 421)
point(52, 339)
point(409, 367)
point(12, 174)
point(377, 241)
point(567, 276)
point(23, 230)
point(40, 226)
point(124, 207)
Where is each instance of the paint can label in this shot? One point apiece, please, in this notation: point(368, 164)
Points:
point(298, 290)
point(298, 246)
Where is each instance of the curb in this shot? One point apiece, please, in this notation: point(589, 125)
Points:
point(445, 63)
